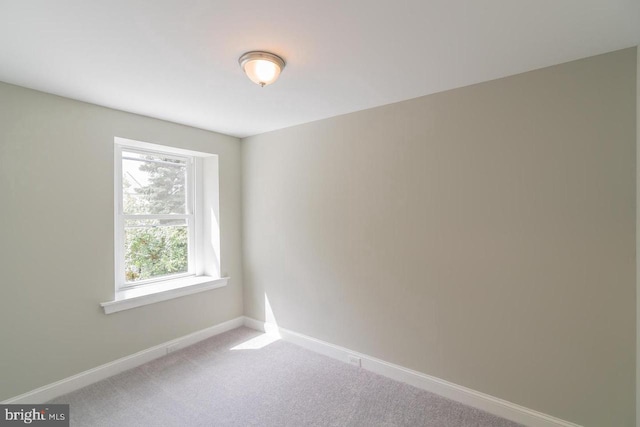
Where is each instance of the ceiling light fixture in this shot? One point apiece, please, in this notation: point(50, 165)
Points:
point(262, 68)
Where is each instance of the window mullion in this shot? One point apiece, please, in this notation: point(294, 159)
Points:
point(156, 216)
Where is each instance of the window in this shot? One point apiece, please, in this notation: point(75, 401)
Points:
point(167, 216)
point(156, 217)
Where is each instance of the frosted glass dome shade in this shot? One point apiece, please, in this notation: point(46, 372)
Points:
point(262, 68)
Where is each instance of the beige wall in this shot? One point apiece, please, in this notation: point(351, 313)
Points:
point(638, 240)
point(56, 229)
point(484, 235)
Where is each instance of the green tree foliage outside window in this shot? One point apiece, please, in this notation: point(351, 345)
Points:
point(155, 247)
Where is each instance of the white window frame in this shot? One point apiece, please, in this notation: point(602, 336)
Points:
point(204, 237)
point(190, 216)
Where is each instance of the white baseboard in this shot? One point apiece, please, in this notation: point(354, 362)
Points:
point(83, 379)
point(476, 399)
point(467, 396)
point(270, 328)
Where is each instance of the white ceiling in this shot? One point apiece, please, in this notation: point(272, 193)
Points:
point(177, 60)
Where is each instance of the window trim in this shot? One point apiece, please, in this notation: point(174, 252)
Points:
point(208, 273)
point(162, 291)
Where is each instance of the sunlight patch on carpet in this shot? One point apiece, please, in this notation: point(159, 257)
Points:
point(257, 343)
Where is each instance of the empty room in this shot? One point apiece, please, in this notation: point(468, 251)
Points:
point(296, 213)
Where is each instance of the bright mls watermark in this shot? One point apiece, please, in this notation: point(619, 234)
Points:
point(36, 415)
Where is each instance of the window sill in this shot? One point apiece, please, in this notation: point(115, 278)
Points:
point(163, 291)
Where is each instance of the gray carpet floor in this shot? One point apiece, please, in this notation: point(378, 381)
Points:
point(233, 379)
